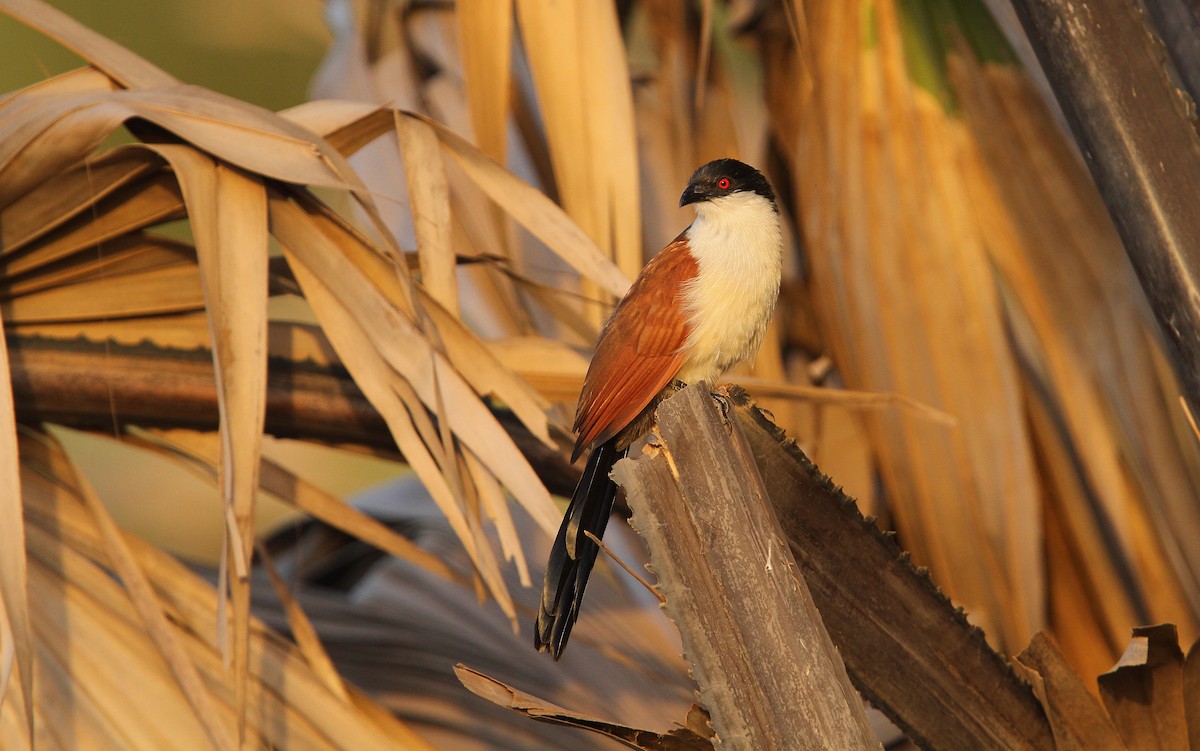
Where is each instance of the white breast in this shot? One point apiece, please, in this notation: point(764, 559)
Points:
point(738, 245)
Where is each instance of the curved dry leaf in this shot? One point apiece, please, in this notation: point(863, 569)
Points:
point(352, 124)
point(78, 81)
point(66, 128)
point(497, 692)
point(345, 124)
point(65, 196)
point(375, 378)
point(228, 212)
point(54, 134)
point(429, 202)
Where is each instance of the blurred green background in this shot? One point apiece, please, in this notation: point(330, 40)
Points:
point(262, 51)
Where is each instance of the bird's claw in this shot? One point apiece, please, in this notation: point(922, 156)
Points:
point(720, 395)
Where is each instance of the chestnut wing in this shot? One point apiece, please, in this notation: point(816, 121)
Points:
point(639, 350)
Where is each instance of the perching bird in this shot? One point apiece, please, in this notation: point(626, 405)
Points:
point(697, 309)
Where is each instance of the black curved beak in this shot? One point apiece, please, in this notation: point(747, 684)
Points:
point(694, 193)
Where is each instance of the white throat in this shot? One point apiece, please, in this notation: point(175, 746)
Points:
point(738, 244)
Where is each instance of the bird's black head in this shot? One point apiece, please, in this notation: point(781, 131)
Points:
point(724, 177)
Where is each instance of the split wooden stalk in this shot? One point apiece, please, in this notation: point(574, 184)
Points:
point(910, 652)
point(767, 671)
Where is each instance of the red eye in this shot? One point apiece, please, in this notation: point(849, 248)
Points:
point(723, 183)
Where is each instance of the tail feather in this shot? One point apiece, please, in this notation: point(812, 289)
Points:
point(573, 553)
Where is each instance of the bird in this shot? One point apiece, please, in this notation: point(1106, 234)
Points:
point(698, 308)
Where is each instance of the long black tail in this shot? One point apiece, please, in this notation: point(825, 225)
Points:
point(573, 553)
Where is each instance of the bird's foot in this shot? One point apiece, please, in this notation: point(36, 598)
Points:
point(724, 401)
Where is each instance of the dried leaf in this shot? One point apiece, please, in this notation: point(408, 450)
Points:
point(375, 377)
point(1083, 333)
point(228, 211)
point(429, 200)
point(127, 209)
point(943, 343)
point(66, 129)
point(288, 704)
point(66, 195)
point(531, 706)
point(1076, 717)
point(1143, 693)
point(593, 150)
